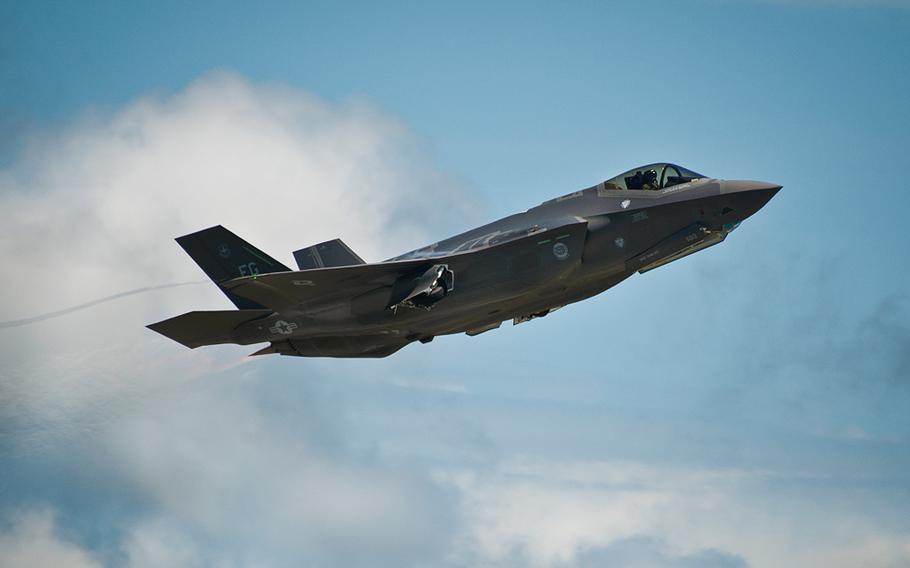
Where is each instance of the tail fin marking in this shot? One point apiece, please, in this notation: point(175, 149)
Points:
point(222, 255)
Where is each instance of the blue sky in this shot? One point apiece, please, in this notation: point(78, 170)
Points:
point(744, 407)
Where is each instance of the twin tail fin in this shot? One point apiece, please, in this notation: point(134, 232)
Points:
point(222, 255)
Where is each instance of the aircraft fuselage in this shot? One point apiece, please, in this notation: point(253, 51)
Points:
point(516, 268)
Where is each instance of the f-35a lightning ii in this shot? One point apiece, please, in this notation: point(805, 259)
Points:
point(517, 268)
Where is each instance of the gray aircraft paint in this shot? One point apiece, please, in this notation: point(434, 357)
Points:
point(517, 268)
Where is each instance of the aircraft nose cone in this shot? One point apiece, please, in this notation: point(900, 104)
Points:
point(736, 186)
point(749, 196)
point(754, 189)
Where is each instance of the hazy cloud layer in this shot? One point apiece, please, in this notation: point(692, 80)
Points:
point(644, 552)
point(118, 434)
point(30, 540)
point(102, 200)
point(96, 207)
point(216, 464)
point(537, 513)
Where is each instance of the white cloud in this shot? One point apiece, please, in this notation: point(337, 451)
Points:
point(97, 205)
point(31, 542)
point(552, 511)
point(93, 211)
point(602, 513)
point(231, 472)
point(645, 552)
point(157, 543)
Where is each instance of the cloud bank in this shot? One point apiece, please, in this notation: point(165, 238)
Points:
point(102, 200)
point(95, 207)
point(120, 449)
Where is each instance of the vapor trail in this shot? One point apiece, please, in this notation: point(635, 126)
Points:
point(63, 312)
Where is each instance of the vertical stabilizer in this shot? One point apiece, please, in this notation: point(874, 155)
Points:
point(326, 255)
point(222, 255)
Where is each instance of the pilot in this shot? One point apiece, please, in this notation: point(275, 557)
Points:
point(649, 180)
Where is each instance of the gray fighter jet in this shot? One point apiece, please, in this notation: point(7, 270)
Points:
point(518, 268)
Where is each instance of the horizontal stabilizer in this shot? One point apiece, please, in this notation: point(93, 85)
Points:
point(270, 350)
point(326, 255)
point(195, 329)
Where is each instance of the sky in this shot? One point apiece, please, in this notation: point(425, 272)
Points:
point(744, 407)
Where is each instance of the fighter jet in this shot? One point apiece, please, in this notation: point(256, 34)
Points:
point(518, 268)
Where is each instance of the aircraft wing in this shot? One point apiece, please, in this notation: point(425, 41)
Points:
point(320, 285)
point(307, 289)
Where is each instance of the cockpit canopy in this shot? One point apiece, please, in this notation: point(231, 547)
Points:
point(652, 176)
